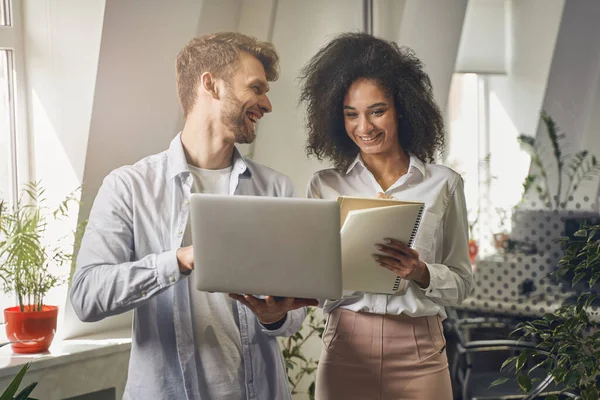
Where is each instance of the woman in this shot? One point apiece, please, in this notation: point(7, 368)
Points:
point(371, 112)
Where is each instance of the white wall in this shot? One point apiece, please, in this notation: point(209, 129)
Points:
point(572, 92)
point(433, 30)
point(533, 31)
point(281, 136)
point(135, 109)
point(483, 44)
point(516, 98)
point(60, 85)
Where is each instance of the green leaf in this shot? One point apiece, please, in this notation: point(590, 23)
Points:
point(536, 366)
point(561, 272)
point(24, 394)
point(524, 382)
point(572, 378)
point(508, 361)
point(12, 388)
point(590, 393)
point(559, 374)
point(578, 277)
point(594, 279)
point(500, 381)
point(521, 360)
point(580, 233)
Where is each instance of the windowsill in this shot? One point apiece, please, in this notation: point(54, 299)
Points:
point(65, 352)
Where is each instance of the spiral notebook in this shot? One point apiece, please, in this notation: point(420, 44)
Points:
point(365, 222)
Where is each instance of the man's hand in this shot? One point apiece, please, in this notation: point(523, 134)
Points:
point(185, 259)
point(271, 310)
point(403, 261)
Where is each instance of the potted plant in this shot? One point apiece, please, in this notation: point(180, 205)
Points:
point(473, 246)
point(576, 167)
point(568, 341)
point(297, 365)
point(28, 265)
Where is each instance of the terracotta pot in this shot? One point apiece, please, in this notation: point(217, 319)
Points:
point(473, 250)
point(32, 331)
point(499, 239)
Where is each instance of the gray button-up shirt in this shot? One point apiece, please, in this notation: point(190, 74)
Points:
point(127, 261)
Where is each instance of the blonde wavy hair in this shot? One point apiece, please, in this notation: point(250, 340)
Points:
point(219, 54)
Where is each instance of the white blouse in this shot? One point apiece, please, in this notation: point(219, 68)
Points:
point(442, 237)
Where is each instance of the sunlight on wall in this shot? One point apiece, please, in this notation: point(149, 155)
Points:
point(483, 148)
point(463, 144)
point(509, 164)
point(56, 174)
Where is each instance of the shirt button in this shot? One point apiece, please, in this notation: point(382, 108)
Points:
point(143, 294)
point(172, 278)
point(187, 202)
point(180, 233)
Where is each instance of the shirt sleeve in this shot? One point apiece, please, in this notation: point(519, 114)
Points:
point(451, 281)
point(108, 281)
point(312, 189)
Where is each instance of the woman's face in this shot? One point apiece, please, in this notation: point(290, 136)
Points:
point(370, 118)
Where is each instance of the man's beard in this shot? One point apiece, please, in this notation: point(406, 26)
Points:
point(234, 118)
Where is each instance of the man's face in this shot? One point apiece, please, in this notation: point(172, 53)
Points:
point(245, 100)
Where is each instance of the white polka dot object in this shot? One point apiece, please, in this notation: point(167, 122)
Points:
point(517, 283)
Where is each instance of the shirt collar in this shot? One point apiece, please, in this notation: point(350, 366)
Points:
point(178, 163)
point(357, 160)
point(414, 162)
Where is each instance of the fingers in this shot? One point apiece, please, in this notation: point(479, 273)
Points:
point(272, 304)
point(399, 246)
point(242, 300)
point(390, 251)
point(393, 260)
point(256, 302)
point(397, 271)
point(270, 300)
point(293, 303)
point(306, 302)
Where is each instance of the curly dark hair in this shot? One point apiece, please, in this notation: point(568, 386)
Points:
point(327, 76)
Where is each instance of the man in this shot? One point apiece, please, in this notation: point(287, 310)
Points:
point(136, 251)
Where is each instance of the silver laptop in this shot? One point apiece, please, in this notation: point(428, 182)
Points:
point(274, 246)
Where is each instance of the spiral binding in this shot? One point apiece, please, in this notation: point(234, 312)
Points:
point(410, 243)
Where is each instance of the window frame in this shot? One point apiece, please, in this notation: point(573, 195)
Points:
point(11, 38)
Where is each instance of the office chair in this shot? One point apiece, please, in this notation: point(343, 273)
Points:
point(475, 385)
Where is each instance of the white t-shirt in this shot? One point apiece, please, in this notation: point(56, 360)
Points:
point(214, 316)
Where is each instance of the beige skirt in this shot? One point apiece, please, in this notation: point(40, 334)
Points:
point(383, 357)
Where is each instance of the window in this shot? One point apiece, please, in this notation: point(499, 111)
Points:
point(13, 137)
point(483, 148)
point(7, 107)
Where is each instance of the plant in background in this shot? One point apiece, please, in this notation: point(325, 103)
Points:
point(568, 341)
point(575, 167)
point(299, 367)
point(11, 391)
point(25, 259)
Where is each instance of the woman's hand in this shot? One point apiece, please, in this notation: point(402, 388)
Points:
point(402, 261)
point(384, 196)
